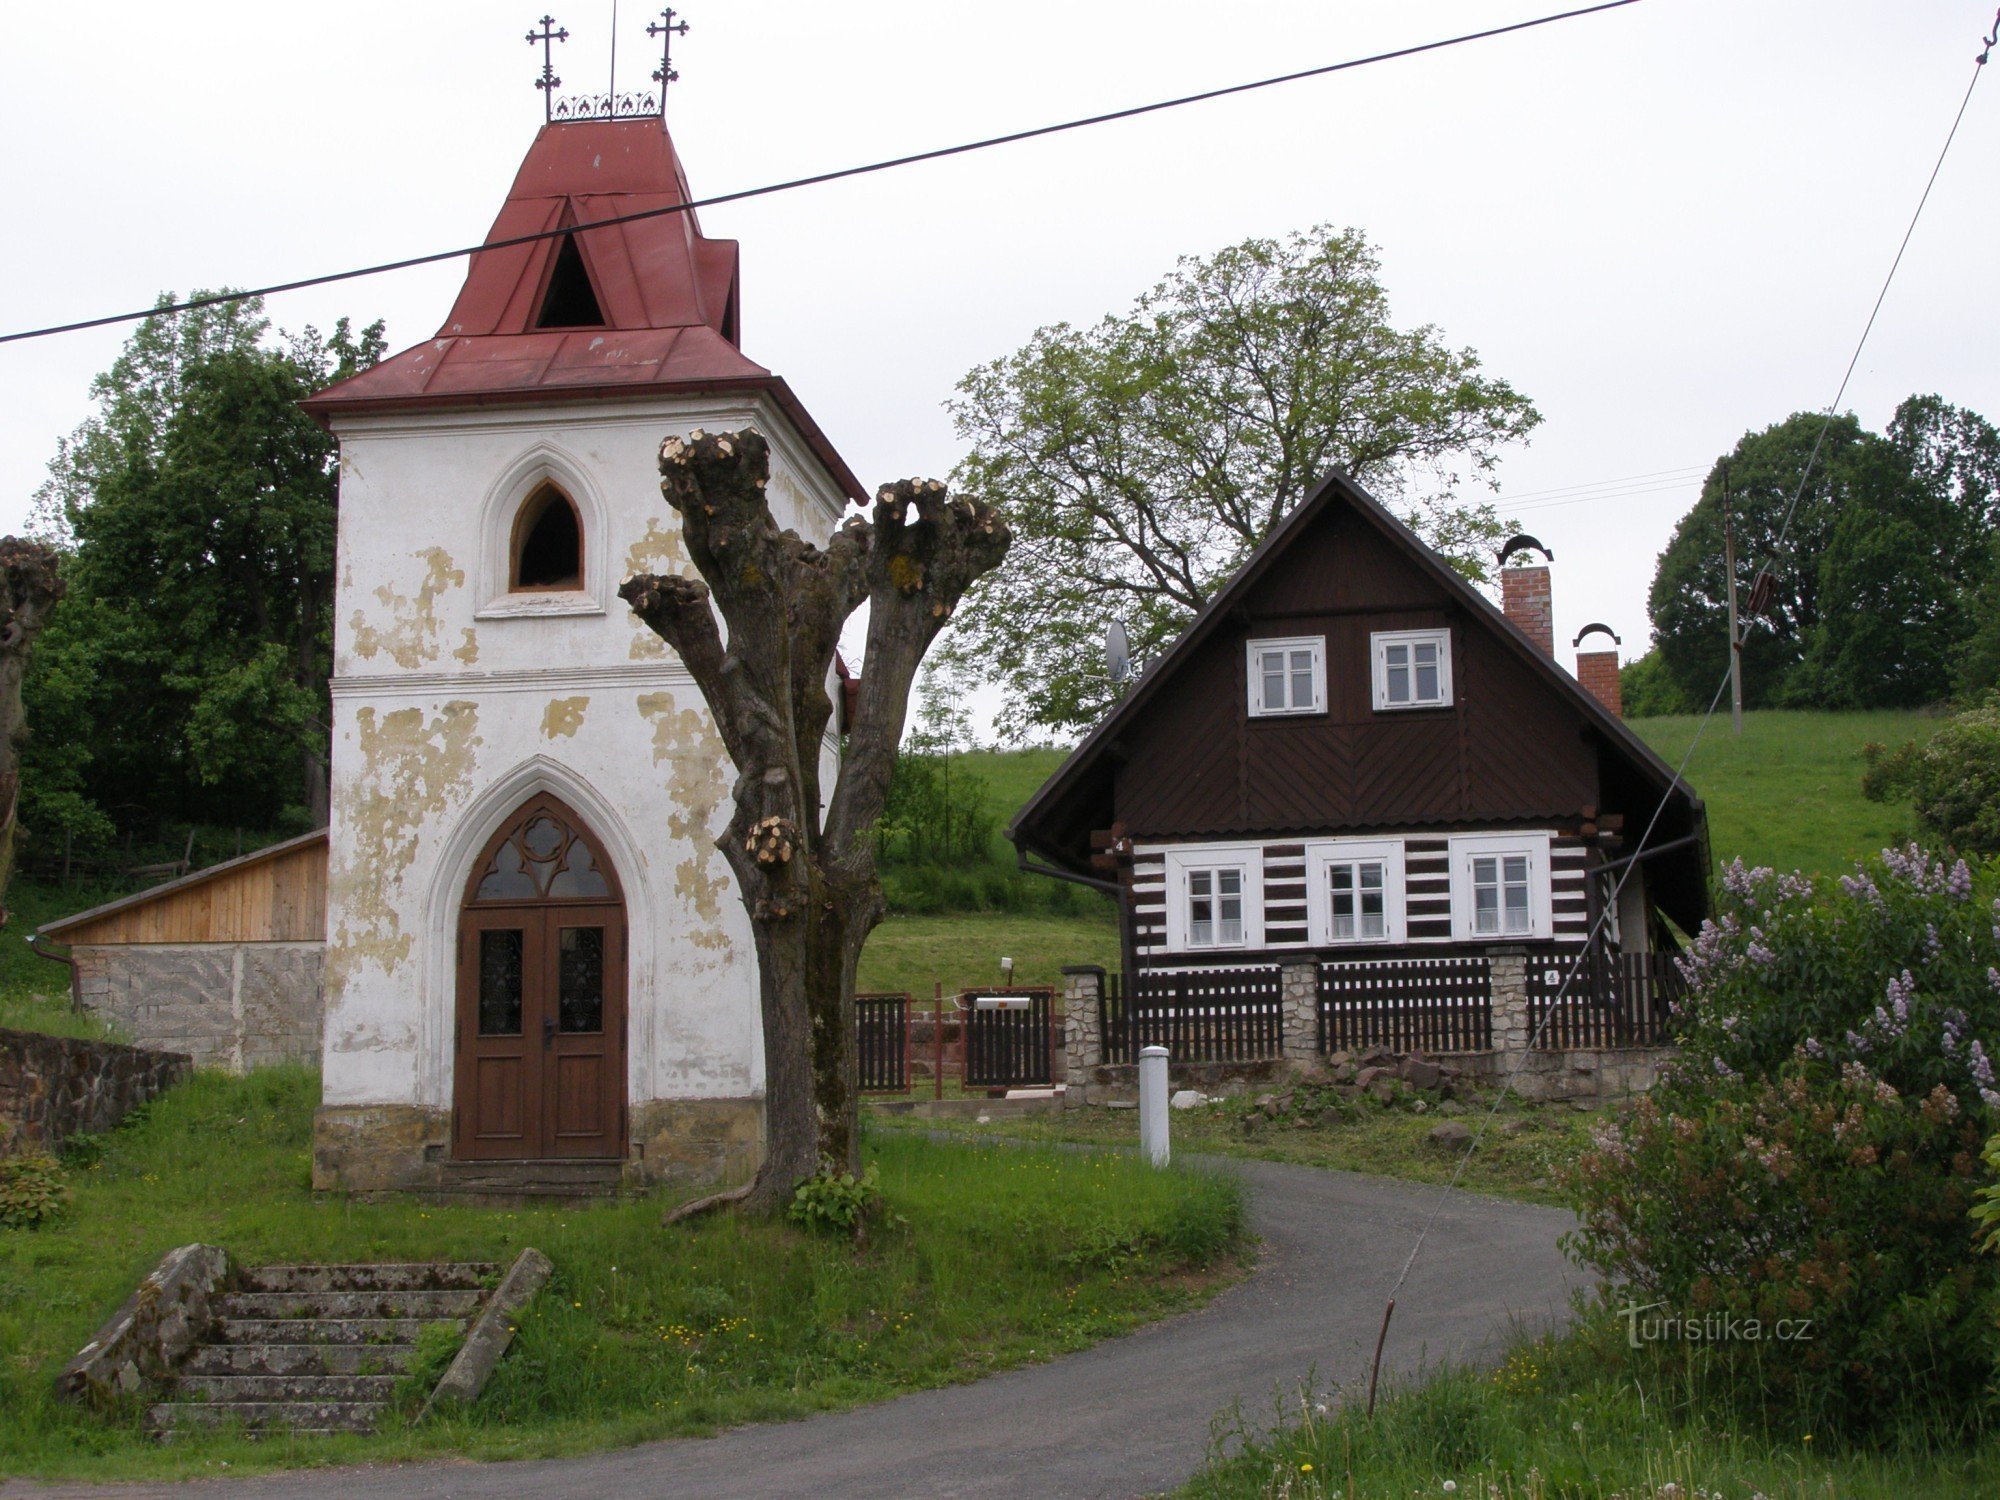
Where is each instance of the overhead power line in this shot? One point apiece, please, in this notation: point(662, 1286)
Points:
point(937, 154)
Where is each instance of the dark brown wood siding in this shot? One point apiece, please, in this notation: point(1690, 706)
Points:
point(1195, 764)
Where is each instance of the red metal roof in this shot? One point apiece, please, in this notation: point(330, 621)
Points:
point(667, 293)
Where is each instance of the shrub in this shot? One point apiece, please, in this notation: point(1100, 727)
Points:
point(1815, 1151)
point(1952, 780)
point(1820, 1224)
point(1896, 967)
point(32, 1191)
point(838, 1201)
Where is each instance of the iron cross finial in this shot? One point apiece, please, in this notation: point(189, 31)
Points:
point(548, 83)
point(666, 28)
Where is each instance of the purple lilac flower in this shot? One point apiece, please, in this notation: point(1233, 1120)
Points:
point(1814, 1050)
point(1959, 887)
point(1982, 1066)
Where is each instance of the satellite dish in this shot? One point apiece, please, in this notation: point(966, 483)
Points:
point(1118, 652)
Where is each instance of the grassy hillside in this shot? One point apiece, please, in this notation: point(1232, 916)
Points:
point(1788, 793)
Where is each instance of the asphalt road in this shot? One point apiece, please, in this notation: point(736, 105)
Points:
point(1131, 1416)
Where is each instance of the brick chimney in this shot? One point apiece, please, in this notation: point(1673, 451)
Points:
point(1524, 599)
point(1598, 672)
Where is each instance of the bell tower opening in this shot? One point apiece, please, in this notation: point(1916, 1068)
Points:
point(571, 301)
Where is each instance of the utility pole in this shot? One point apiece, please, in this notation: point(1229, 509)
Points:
point(1735, 636)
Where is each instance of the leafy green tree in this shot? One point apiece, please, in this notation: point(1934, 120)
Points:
point(1689, 599)
point(1143, 458)
point(188, 672)
point(937, 811)
point(1877, 583)
point(1646, 689)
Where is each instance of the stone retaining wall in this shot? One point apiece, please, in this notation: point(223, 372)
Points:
point(227, 1005)
point(55, 1087)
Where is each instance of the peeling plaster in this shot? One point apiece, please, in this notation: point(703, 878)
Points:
point(658, 550)
point(686, 741)
point(411, 638)
point(469, 652)
point(410, 770)
point(563, 717)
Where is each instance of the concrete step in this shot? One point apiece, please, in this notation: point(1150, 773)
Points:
point(268, 1416)
point(298, 1359)
point(418, 1276)
point(284, 1388)
point(363, 1331)
point(531, 1179)
point(350, 1304)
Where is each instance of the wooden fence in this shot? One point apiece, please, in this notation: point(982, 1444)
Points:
point(1406, 1004)
point(1212, 1015)
point(1010, 1038)
point(882, 1026)
point(1607, 999)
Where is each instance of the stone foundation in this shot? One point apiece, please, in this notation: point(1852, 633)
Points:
point(396, 1148)
point(55, 1087)
point(1583, 1074)
point(227, 1005)
point(696, 1140)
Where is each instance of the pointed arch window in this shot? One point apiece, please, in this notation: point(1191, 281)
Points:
point(547, 548)
point(543, 857)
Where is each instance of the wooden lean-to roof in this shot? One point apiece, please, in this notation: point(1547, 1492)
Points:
point(275, 895)
point(640, 309)
point(1082, 797)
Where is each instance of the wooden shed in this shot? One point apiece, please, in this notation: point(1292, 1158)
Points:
point(225, 964)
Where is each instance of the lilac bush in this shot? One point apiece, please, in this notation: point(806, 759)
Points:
point(1814, 1151)
point(1895, 967)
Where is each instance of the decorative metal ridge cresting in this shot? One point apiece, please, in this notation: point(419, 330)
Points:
point(612, 104)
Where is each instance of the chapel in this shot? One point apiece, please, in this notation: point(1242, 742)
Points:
point(538, 975)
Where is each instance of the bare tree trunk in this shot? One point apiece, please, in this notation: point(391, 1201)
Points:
point(810, 888)
point(30, 587)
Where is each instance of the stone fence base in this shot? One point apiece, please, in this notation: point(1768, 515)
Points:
point(1584, 1074)
point(55, 1087)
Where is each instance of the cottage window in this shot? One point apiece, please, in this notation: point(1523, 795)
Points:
point(548, 543)
point(1214, 897)
point(1288, 676)
point(1215, 908)
point(1356, 891)
point(1500, 887)
point(1412, 668)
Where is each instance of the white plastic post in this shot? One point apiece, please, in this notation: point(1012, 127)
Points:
point(1153, 1104)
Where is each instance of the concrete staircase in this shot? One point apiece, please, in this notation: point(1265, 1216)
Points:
point(316, 1349)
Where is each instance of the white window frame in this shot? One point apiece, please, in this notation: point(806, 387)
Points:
point(1180, 863)
point(1379, 643)
point(1320, 859)
point(1464, 849)
point(1253, 667)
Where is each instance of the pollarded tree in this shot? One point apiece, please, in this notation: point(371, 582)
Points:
point(809, 884)
point(1145, 457)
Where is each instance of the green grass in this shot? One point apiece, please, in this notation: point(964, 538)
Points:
point(34, 991)
point(1518, 1161)
point(1567, 1416)
point(963, 949)
point(992, 1256)
point(1788, 793)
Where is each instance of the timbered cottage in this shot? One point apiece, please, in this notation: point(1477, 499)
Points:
point(1352, 754)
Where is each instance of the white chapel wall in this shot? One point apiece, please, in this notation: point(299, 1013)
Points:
point(450, 709)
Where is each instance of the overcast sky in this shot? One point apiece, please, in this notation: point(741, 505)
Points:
point(1665, 223)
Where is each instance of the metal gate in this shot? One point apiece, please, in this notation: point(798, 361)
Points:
point(1009, 1038)
point(882, 1042)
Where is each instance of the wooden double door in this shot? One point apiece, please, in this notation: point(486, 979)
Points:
point(541, 996)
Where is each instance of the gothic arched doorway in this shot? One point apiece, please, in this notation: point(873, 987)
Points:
point(541, 995)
